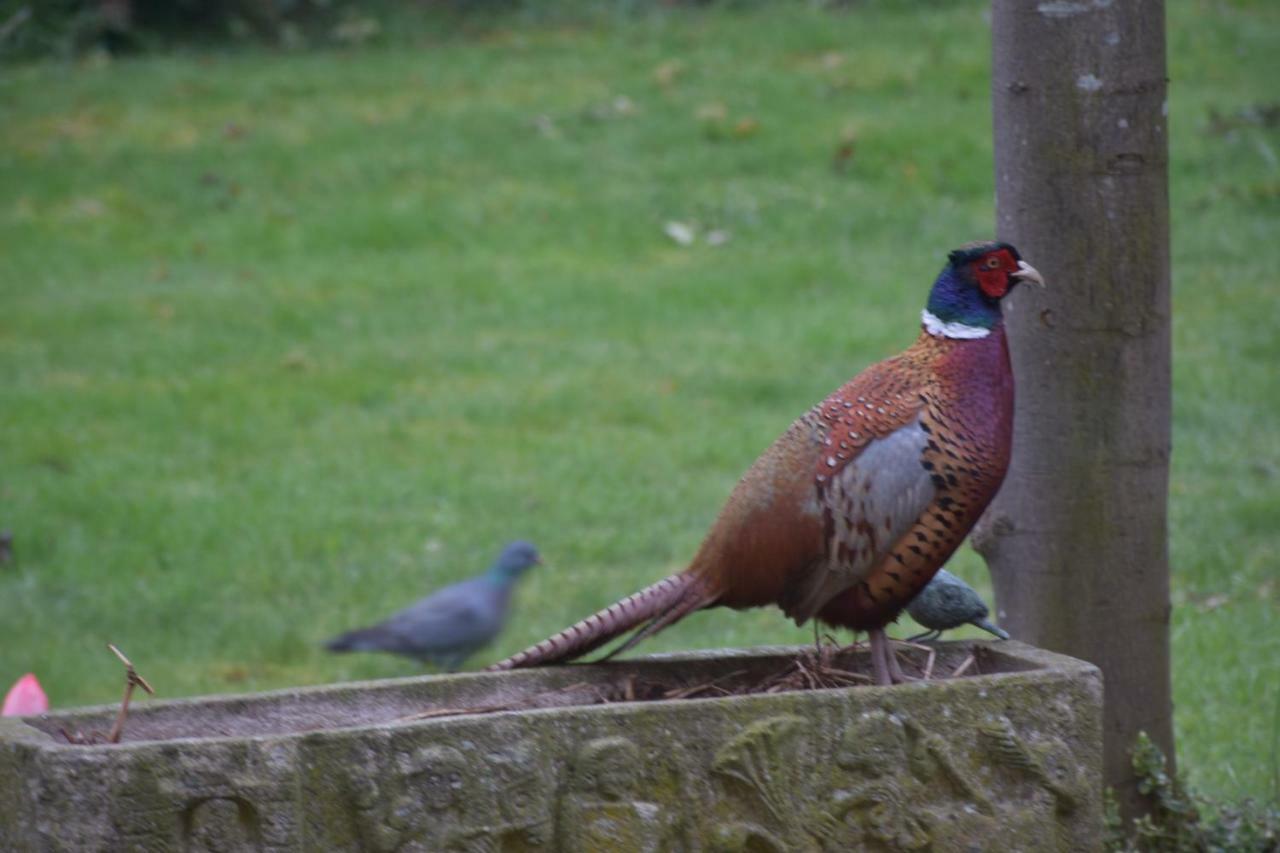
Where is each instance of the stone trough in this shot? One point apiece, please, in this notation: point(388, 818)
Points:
point(1006, 757)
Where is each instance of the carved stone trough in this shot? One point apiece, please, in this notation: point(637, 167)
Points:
point(1006, 757)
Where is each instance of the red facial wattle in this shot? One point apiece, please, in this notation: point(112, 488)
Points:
point(993, 271)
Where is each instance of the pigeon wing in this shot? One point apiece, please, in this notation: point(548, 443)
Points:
point(460, 617)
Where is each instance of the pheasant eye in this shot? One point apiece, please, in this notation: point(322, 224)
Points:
point(991, 262)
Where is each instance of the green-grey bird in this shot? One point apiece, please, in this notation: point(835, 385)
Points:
point(449, 626)
point(948, 602)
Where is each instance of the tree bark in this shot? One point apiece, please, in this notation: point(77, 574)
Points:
point(1077, 538)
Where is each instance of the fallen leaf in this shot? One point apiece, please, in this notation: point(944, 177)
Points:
point(623, 106)
point(842, 155)
point(356, 31)
point(88, 208)
point(666, 73)
point(680, 232)
point(1213, 602)
point(546, 126)
point(832, 60)
point(619, 106)
point(715, 111)
point(297, 359)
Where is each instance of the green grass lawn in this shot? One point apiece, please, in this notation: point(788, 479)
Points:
point(288, 340)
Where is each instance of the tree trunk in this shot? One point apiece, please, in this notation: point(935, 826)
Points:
point(1077, 538)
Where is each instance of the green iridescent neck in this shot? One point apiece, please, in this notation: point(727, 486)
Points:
point(957, 309)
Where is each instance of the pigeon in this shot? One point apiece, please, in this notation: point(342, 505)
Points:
point(450, 625)
point(946, 603)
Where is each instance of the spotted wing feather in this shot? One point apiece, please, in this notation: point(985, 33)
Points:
point(868, 504)
point(823, 504)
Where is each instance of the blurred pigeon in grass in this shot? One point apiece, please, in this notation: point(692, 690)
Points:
point(447, 627)
point(946, 603)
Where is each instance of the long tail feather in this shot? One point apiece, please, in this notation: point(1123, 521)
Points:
point(681, 594)
point(677, 612)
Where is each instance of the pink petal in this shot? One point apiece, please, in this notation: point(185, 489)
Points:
point(25, 697)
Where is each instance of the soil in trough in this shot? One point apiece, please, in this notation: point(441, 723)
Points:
point(642, 680)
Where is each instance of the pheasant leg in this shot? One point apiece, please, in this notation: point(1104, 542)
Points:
point(884, 663)
point(879, 665)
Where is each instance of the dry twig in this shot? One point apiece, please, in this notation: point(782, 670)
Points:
point(131, 681)
point(811, 669)
point(931, 657)
point(968, 662)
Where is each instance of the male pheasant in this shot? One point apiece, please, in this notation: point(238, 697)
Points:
point(853, 509)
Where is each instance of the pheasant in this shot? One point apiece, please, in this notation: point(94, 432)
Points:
point(851, 511)
point(450, 625)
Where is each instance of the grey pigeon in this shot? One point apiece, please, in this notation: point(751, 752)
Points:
point(946, 603)
point(447, 627)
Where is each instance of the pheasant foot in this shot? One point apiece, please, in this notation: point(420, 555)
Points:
point(884, 662)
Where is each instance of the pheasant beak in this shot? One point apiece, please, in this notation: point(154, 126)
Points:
point(1026, 272)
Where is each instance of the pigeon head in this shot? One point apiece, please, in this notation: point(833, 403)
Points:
point(965, 300)
point(516, 558)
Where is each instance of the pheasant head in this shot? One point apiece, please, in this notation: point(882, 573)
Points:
point(965, 300)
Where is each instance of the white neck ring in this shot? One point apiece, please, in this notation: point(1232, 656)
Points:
point(939, 329)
